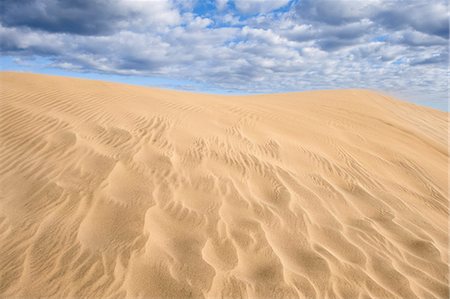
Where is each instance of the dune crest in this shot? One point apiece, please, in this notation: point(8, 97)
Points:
point(117, 191)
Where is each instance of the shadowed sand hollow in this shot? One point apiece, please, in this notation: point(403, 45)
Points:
point(117, 191)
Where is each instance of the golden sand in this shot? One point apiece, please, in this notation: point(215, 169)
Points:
point(116, 191)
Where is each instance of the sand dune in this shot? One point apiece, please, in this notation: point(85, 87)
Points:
point(117, 191)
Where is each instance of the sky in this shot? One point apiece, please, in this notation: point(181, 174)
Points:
point(399, 47)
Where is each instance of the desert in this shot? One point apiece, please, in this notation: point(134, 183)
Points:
point(110, 190)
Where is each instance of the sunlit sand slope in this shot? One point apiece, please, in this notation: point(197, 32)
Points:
point(116, 191)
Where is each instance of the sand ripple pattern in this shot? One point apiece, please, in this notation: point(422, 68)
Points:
point(115, 191)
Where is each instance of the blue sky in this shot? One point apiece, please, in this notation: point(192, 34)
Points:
point(236, 46)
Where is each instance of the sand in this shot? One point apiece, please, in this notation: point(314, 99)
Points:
point(116, 191)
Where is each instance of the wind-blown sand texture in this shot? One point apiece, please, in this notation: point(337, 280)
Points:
point(117, 191)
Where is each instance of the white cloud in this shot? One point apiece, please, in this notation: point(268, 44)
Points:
point(259, 6)
point(221, 4)
point(147, 13)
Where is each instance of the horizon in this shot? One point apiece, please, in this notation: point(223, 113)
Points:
point(237, 47)
point(141, 83)
point(134, 84)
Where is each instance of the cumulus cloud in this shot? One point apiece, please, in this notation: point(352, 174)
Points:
point(87, 17)
point(248, 46)
point(430, 17)
point(427, 17)
point(259, 6)
point(221, 4)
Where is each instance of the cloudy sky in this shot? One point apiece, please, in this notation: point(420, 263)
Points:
point(237, 46)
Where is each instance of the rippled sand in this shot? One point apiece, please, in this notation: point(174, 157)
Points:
point(116, 191)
